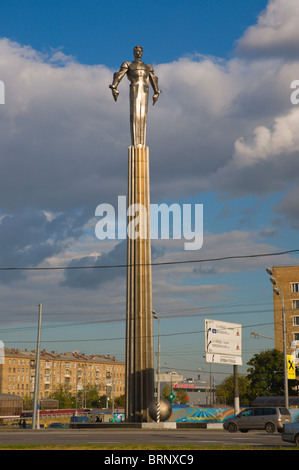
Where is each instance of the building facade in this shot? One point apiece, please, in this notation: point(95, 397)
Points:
point(71, 370)
point(287, 278)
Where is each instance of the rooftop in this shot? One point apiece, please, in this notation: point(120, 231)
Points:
point(67, 356)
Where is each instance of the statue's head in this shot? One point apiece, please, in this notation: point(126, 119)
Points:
point(138, 51)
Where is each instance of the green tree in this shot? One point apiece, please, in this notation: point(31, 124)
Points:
point(225, 391)
point(120, 401)
point(166, 391)
point(181, 397)
point(266, 374)
point(102, 402)
point(89, 397)
point(66, 399)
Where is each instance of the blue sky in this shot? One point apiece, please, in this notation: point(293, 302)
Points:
point(103, 32)
point(223, 134)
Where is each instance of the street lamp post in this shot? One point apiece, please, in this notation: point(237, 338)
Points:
point(35, 419)
point(158, 369)
point(278, 291)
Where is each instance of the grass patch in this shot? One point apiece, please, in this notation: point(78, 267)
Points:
point(136, 447)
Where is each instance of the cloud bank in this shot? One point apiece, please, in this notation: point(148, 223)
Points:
point(276, 33)
point(226, 127)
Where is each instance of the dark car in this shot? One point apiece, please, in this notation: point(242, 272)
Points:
point(290, 433)
point(269, 418)
point(58, 426)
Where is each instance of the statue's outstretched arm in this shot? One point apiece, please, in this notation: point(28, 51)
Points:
point(117, 76)
point(154, 83)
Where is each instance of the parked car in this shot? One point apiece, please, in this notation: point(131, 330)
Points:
point(269, 418)
point(290, 433)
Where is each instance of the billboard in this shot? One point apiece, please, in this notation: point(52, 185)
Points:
point(291, 366)
point(223, 342)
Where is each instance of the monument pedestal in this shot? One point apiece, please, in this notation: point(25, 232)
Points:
point(139, 322)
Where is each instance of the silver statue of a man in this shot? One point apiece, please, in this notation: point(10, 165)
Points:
point(139, 74)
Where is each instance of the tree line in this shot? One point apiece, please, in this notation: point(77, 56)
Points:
point(265, 378)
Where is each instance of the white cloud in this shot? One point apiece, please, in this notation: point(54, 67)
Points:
point(64, 139)
point(54, 130)
point(281, 139)
point(276, 33)
point(218, 126)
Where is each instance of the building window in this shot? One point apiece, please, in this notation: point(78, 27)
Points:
point(295, 287)
point(295, 321)
point(295, 304)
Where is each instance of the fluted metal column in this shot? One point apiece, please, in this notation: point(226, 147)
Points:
point(139, 323)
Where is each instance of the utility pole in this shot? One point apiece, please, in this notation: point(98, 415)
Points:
point(37, 367)
point(113, 388)
point(279, 291)
point(158, 369)
point(236, 391)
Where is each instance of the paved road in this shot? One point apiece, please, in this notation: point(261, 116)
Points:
point(120, 437)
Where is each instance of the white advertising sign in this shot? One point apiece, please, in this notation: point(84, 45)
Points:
point(223, 342)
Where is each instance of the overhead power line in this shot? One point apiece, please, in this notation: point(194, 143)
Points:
point(161, 263)
point(87, 340)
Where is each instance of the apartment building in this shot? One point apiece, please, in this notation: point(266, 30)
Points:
point(287, 278)
point(71, 369)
